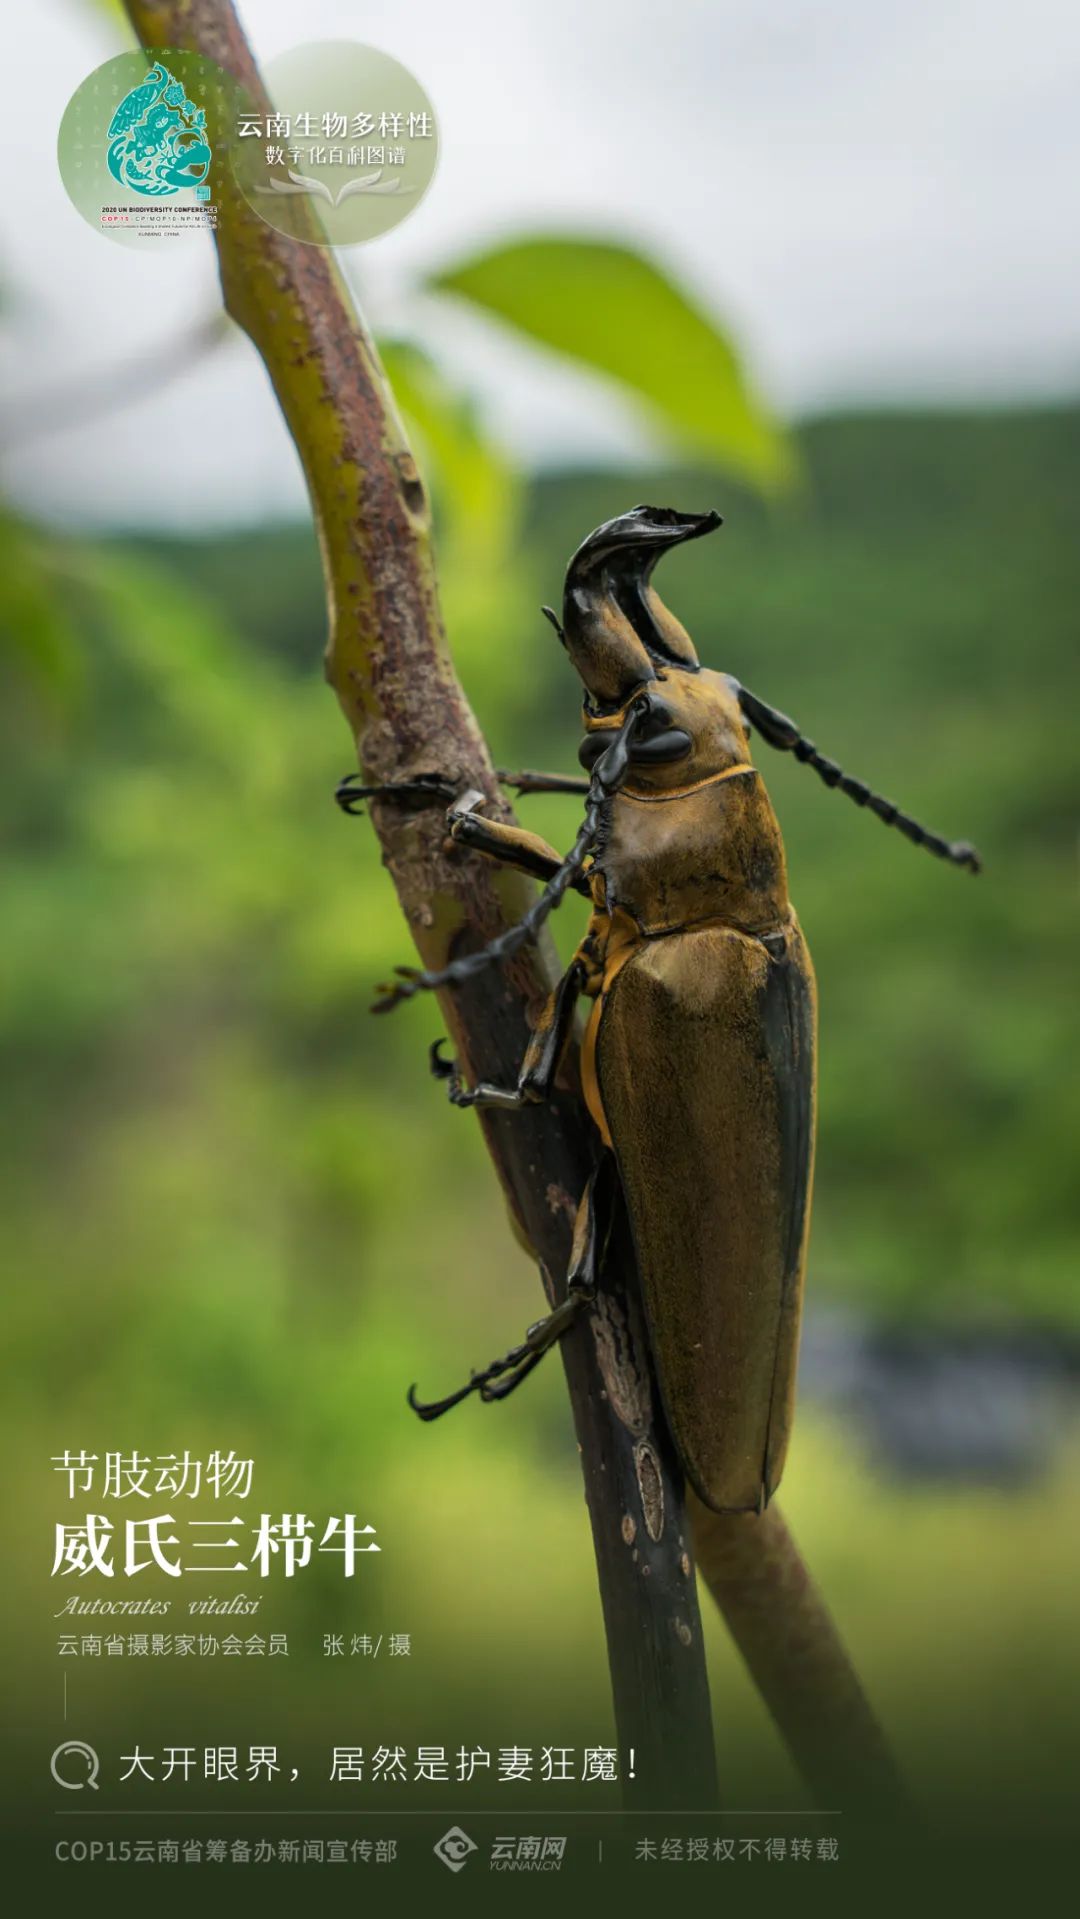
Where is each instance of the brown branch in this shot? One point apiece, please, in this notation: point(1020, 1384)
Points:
point(387, 661)
point(783, 1629)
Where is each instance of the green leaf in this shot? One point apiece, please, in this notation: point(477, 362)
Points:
point(612, 309)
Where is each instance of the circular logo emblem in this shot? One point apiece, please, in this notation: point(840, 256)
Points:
point(143, 141)
point(348, 150)
point(75, 1765)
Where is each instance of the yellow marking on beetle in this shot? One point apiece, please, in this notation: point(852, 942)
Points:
point(624, 937)
point(680, 792)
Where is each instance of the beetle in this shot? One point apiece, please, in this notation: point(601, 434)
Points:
point(698, 1059)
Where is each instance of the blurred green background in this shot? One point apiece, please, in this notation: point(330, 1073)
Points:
point(240, 1216)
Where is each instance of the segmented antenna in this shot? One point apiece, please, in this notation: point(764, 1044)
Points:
point(779, 731)
point(608, 775)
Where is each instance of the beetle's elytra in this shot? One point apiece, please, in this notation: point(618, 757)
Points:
point(698, 1061)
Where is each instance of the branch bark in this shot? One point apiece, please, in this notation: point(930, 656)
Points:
point(781, 1625)
point(387, 662)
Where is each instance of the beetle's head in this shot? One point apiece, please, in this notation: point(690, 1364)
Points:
point(631, 650)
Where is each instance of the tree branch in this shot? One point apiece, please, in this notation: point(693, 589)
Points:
point(783, 1629)
point(388, 664)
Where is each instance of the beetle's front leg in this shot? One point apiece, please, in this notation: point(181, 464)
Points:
point(541, 1062)
point(503, 1376)
point(507, 845)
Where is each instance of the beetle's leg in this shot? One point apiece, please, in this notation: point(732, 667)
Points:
point(424, 789)
point(608, 775)
point(528, 782)
point(779, 731)
point(434, 789)
point(509, 845)
point(503, 1376)
point(500, 1378)
point(541, 1062)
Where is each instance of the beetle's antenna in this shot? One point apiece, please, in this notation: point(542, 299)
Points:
point(777, 730)
point(608, 775)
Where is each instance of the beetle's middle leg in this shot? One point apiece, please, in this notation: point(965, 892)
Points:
point(503, 1376)
point(541, 1062)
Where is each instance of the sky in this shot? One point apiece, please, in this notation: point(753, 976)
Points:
point(879, 200)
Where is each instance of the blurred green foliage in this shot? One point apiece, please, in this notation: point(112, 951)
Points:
point(917, 618)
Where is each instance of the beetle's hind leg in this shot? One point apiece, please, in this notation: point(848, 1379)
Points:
point(541, 1062)
point(503, 1376)
point(498, 1380)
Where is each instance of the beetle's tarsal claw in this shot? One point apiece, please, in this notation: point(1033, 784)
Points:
point(478, 1383)
point(428, 1410)
point(350, 794)
point(500, 1379)
point(447, 1070)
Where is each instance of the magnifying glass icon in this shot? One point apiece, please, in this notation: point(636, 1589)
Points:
point(86, 1761)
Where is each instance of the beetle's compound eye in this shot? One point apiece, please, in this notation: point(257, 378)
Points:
point(658, 739)
point(656, 749)
point(655, 742)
